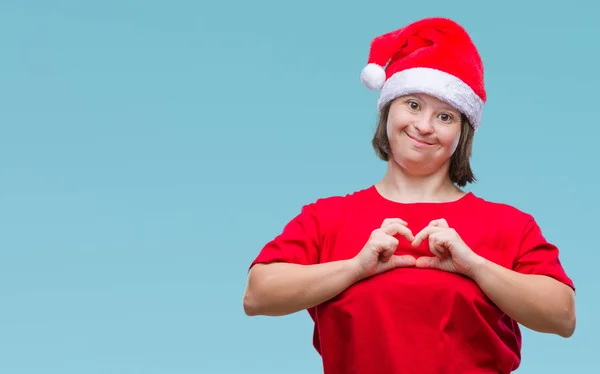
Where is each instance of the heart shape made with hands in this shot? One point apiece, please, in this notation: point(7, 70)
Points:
point(450, 253)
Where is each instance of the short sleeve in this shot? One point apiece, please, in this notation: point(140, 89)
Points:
point(298, 243)
point(537, 256)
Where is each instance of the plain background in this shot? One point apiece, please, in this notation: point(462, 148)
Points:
point(149, 149)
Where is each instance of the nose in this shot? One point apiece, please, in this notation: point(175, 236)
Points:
point(424, 125)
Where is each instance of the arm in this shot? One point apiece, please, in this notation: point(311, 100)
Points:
point(538, 302)
point(527, 294)
point(283, 288)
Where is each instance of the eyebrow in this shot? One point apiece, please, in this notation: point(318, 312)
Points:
point(450, 108)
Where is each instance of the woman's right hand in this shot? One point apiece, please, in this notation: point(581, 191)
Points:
point(377, 256)
point(278, 289)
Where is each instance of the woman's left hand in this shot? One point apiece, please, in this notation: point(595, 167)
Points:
point(451, 252)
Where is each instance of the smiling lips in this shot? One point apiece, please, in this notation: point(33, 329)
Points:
point(418, 141)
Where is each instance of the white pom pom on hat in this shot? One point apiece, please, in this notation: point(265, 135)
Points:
point(434, 56)
point(373, 76)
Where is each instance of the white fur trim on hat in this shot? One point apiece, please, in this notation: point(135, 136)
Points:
point(437, 83)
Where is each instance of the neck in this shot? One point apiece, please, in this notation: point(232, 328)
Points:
point(399, 185)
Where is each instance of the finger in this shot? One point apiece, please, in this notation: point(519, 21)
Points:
point(402, 261)
point(388, 248)
point(396, 228)
point(437, 251)
point(423, 234)
point(439, 223)
point(428, 262)
point(388, 221)
point(436, 246)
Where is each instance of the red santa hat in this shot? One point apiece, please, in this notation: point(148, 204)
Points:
point(434, 56)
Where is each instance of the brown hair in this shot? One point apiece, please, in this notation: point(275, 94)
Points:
point(460, 166)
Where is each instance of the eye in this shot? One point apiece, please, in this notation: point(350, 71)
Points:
point(413, 105)
point(445, 117)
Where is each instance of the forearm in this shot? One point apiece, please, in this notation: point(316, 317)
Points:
point(281, 288)
point(535, 301)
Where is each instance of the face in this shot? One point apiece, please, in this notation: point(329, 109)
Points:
point(423, 133)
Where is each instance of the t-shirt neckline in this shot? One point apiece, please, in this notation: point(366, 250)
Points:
point(467, 196)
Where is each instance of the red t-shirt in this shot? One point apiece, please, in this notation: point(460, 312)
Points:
point(411, 320)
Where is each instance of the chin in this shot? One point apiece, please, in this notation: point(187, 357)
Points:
point(414, 165)
point(417, 163)
point(411, 157)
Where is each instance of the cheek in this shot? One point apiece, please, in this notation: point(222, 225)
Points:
point(455, 143)
point(396, 137)
point(450, 140)
point(395, 126)
point(397, 120)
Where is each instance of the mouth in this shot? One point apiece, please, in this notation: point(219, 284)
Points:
point(418, 141)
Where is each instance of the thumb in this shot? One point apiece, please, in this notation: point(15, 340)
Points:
point(401, 261)
point(428, 262)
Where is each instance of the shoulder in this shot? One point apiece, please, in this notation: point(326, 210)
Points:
point(328, 211)
point(332, 203)
point(502, 212)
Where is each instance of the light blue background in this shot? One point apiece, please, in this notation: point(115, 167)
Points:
point(149, 149)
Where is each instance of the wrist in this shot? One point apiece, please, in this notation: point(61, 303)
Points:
point(355, 270)
point(478, 267)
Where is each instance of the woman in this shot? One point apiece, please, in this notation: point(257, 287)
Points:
point(413, 275)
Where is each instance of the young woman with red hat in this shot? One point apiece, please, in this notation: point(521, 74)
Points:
point(412, 274)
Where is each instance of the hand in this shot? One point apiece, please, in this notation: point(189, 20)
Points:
point(377, 256)
point(451, 252)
